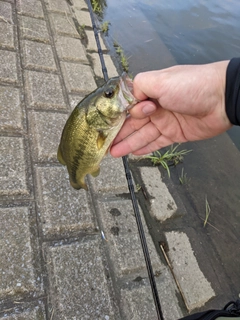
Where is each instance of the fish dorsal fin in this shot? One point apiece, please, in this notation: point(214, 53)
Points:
point(101, 139)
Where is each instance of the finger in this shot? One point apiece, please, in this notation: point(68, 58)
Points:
point(157, 144)
point(147, 85)
point(130, 125)
point(143, 109)
point(136, 141)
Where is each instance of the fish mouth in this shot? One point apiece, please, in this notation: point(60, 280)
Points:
point(126, 92)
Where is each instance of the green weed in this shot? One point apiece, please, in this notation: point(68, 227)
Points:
point(207, 212)
point(105, 26)
point(98, 5)
point(183, 178)
point(123, 58)
point(171, 157)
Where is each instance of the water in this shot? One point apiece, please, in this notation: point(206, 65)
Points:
point(156, 34)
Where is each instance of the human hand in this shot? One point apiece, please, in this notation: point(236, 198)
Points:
point(179, 104)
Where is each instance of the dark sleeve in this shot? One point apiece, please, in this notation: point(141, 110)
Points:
point(232, 93)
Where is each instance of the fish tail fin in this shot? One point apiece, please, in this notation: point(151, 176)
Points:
point(79, 185)
point(96, 172)
point(60, 157)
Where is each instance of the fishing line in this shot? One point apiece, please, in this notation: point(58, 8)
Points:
point(131, 188)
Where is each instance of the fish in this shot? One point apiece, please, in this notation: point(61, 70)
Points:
point(92, 127)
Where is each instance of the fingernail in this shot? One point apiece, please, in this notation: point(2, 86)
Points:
point(148, 108)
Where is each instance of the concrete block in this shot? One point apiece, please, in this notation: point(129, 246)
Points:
point(79, 4)
point(163, 205)
point(70, 49)
point(57, 6)
point(44, 90)
point(34, 29)
point(13, 167)
point(10, 109)
point(123, 241)
point(78, 77)
point(16, 263)
point(31, 8)
point(63, 25)
point(8, 66)
point(6, 12)
point(46, 130)
point(62, 209)
point(197, 290)
point(91, 44)
point(36, 313)
point(112, 178)
point(38, 56)
point(6, 35)
point(78, 285)
point(97, 67)
point(83, 18)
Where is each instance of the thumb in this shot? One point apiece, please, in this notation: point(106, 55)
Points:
point(143, 109)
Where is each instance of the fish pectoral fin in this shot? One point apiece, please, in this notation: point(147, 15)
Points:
point(59, 157)
point(101, 139)
point(96, 172)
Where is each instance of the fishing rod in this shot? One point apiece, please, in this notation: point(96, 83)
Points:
point(131, 188)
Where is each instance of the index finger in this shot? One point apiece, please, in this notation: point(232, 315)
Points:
point(130, 125)
point(147, 85)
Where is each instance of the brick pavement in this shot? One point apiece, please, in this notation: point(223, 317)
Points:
point(54, 263)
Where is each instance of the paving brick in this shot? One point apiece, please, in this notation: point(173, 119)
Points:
point(79, 4)
point(30, 7)
point(78, 77)
point(12, 167)
point(10, 109)
point(83, 18)
point(163, 205)
point(46, 129)
point(62, 209)
point(37, 313)
point(38, 56)
point(74, 100)
point(16, 264)
point(194, 286)
point(79, 289)
point(6, 35)
point(8, 66)
point(91, 44)
point(120, 230)
point(137, 303)
point(6, 12)
point(44, 90)
point(34, 29)
point(63, 25)
point(57, 6)
point(70, 49)
point(97, 67)
point(112, 178)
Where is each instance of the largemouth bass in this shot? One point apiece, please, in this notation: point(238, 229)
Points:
point(91, 128)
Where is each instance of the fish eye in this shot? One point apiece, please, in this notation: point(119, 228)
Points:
point(109, 93)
